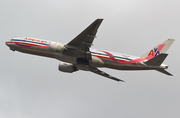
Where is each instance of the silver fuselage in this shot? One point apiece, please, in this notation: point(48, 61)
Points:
point(100, 58)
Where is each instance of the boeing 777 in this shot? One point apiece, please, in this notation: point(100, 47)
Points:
point(77, 54)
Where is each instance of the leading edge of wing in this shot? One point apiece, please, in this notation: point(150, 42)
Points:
point(90, 31)
point(99, 72)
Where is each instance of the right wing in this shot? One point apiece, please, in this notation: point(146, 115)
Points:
point(79, 46)
point(99, 72)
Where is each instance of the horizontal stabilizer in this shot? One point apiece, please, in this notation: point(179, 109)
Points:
point(164, 71)
point(157, 61)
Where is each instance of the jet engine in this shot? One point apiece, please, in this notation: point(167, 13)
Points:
point(67, 67)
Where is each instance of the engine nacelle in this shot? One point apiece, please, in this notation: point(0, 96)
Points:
point(67, 67)
point(56, 47)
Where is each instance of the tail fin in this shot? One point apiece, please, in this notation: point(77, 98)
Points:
point(161, 48)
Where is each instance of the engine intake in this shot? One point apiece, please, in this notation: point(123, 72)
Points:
point(67, 67)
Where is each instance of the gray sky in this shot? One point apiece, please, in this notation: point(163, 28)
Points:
point(32, 87)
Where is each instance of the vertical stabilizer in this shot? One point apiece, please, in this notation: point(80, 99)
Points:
point(161, 48)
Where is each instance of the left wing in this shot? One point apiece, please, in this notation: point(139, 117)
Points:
point(97, 71)
point(79, 46)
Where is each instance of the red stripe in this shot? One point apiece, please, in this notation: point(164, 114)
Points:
point(108, 58)
point(29, 45)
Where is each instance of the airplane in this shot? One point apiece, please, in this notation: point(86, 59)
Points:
point(77, 54)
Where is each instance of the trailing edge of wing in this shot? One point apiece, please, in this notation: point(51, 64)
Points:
point(99, 72)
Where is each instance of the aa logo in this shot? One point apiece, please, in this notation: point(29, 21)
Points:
point(154, 52)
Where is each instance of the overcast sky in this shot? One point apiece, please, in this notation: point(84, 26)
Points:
point(32, 87)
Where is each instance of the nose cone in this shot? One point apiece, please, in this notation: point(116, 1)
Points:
point(7, 43)
point(10, 45)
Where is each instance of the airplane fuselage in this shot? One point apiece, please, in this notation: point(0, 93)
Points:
point(100, 58)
